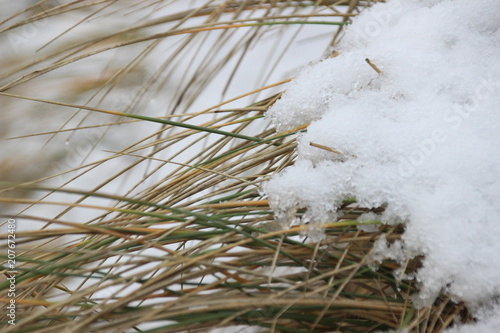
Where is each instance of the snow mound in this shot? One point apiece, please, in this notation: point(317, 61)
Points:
point(422, 137)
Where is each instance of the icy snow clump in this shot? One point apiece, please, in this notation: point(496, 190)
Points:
point(422, 137)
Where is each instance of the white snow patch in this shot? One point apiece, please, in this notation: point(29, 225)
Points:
point(366, 220)
point(423, 137)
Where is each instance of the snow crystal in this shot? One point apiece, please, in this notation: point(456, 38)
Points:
point(422, 137)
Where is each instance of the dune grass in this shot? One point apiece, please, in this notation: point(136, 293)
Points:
point(198, 247)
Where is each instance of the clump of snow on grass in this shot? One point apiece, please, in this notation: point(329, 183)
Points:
point(366, 222)
point(488, 321)
point(423, 137)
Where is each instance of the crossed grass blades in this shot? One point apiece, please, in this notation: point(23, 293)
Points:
point(196, 248)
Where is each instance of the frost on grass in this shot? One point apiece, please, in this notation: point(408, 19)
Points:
point(423, 138)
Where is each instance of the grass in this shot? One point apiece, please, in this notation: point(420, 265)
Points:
point(188, 243)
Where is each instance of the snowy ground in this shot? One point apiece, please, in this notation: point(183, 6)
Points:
point(422, 136)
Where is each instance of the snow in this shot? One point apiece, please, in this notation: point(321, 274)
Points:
point(489, 321)
point(422, 137)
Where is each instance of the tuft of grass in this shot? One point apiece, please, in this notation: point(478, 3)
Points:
point(177, 237)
